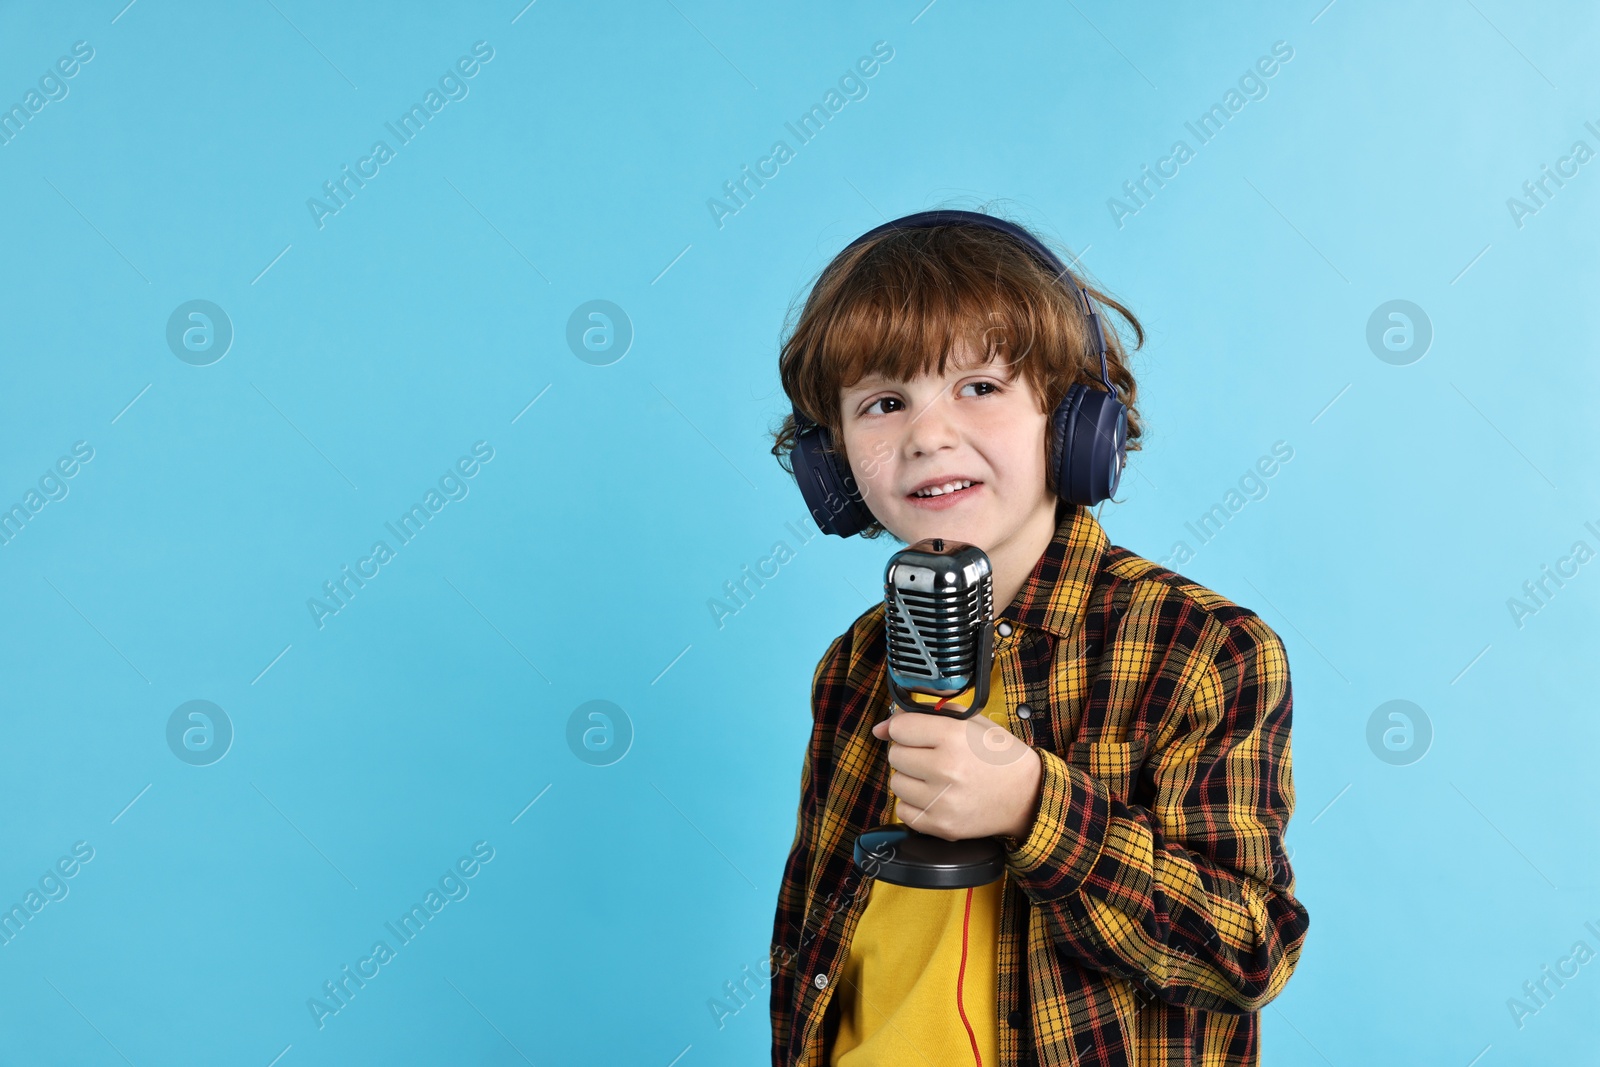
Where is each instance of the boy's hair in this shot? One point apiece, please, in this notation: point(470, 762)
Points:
point(897, 304)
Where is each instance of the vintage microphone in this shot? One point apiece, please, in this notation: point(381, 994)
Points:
point(939, 608)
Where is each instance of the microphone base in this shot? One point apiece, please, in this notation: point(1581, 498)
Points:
point(897, 854)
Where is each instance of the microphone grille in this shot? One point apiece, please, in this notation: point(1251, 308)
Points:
point(939, 599)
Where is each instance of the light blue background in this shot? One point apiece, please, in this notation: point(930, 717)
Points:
point(428, 313)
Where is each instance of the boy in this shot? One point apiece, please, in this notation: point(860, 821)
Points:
point(1142, 782)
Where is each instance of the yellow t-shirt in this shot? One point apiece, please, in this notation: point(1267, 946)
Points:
point(898, 989)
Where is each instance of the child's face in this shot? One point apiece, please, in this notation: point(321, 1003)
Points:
point(981, 422)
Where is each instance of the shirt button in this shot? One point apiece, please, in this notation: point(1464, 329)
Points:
point(1004, 629)
point(820, 981)
point(1024, 712)
point(1014, 1018)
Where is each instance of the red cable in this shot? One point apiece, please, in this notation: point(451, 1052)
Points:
point(966, 917)
point(960, 974)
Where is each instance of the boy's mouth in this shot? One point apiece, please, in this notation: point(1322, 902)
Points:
point(944, 495)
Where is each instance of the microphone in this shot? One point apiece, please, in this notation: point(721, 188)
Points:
point(938, 616)
point(939, 602)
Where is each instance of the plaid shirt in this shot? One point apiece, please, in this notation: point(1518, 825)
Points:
point(1150, 913)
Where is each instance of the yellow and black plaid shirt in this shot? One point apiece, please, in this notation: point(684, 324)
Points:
point(1150, 913)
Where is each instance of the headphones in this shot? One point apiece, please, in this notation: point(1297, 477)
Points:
point(1088, 429)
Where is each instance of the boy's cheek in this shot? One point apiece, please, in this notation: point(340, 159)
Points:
point(881, 453)
point(874, 470)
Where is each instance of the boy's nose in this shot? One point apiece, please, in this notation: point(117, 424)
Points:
point(930, 428)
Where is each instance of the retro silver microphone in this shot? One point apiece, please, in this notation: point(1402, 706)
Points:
point(938, 614)
point(939, 604)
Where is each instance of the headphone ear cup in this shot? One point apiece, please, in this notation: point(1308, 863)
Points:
point(1088, 439)
point(830, 490)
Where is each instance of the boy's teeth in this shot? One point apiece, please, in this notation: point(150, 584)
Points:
point(948, 487)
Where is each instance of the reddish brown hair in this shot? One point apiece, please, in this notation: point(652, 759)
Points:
point(897, 305)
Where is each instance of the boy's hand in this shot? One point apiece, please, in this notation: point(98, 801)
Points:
point(960, 778)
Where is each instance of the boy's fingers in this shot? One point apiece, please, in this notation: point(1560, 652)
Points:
point(909, 790)
point(912, 762)
point(918, 731)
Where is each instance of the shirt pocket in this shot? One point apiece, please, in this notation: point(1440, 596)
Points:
point(1116, 763)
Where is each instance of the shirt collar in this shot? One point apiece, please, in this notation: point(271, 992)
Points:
point(1055, 594)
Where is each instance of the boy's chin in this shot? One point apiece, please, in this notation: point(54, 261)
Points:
point(967, 527)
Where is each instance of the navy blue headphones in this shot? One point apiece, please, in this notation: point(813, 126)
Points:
point(1088, 429)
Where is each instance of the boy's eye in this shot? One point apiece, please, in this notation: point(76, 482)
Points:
point(990, 388)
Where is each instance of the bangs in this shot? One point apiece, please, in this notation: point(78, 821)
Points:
point(916, 320)
point(907, 304)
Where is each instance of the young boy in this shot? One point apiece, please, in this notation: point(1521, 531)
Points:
point(1142, 783)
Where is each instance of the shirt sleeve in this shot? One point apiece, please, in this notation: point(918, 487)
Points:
point(787, 922)
point(1191, 899)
